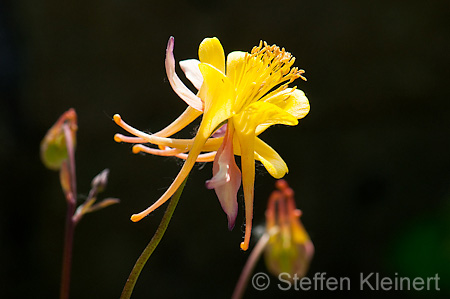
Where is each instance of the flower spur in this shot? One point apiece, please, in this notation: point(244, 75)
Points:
point(238, 99)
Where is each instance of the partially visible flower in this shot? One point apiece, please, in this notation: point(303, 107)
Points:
point(239, 99)
point(289, 249)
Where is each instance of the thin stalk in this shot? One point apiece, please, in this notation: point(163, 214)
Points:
point(67, 254)
point(251, 263)
point(70, 225)
point(151, 246)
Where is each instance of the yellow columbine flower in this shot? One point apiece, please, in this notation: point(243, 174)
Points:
point(239, 98)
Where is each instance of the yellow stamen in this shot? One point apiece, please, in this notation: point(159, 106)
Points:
point(266, 67)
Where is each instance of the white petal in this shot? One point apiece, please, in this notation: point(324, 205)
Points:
point(192, 72)
point(177, 85)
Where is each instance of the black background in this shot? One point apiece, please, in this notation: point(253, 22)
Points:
point(370, 164)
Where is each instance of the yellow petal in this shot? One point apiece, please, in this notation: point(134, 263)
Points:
point(247, 142)
point(262, 113)
point(270, 159)
point(218, 95)
point(245, 124)
point(293, 101)
point(235, 66)
point(210, 51)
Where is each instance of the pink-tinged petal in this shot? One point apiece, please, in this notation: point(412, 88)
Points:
point(220, 132)
point(226, 179)
point(221, 174)
point(192, 72)
point(177, 85)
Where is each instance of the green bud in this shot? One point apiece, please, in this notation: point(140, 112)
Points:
point(53, 146)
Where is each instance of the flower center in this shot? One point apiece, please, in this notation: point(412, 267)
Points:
point(266, 69)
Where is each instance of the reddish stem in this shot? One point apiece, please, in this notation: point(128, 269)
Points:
point(70, 224)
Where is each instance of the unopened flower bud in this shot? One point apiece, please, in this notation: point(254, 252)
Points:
point(100, 181)
point(53, 146)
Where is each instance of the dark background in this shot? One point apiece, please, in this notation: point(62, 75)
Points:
point(370, 164)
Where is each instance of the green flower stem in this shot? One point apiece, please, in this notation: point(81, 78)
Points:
point(70, 224)
point(151, 246)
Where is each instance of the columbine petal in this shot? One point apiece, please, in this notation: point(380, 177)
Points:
point(218, 94)
point(226, 178)
point(192, 72)
point(246, 122)
point(235, 66)
point(211, 52)
point(178, 86)
point(246, 142)
point(291, 100)
point(270, 159)
point(188, 116)
point(263, 113)
point(297, 104)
